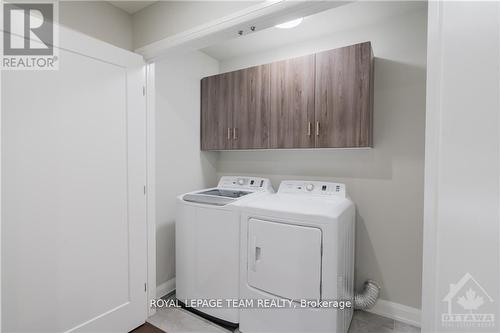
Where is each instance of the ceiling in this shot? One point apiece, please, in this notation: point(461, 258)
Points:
point(348, 16)
point(131, 7)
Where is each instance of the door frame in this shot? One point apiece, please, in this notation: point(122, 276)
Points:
point(432, 165)
point(438, 36)
point(151, 182)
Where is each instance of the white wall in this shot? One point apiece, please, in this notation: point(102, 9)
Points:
point(167, 18)
point(462, 176)
point(98, 19)
point(386, 182)
point(180, 165)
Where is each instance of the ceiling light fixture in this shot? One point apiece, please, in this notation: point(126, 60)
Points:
point(290, 24)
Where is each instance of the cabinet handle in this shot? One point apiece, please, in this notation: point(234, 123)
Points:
point(234, 134)
point(308, 128)
point(317, 128)
point(228, 133)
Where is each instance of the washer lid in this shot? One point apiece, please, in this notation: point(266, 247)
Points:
point(215, 196)
point(224, 193)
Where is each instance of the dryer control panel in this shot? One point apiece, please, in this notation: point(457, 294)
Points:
point(246, 183)
point(312, 188)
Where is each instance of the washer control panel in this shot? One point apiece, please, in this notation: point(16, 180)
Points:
point(312, 188)
point(248, 183)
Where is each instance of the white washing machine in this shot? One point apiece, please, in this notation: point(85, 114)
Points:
point(207, 243)
point(298, 245)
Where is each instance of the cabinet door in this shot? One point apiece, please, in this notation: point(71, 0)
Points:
point(292, 103)
point(216, 107)
point(344, 97)
point(250, 111)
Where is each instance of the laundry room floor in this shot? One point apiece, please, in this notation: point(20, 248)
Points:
point(177, 320)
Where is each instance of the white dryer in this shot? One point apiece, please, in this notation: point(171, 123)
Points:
point(207, 236)
point(298, 245)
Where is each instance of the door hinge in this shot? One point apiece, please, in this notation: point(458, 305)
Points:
point(143, 91)
point(144, 189)
point(145, 287)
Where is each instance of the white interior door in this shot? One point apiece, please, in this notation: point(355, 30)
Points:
point(284, 259)
point(74, 208)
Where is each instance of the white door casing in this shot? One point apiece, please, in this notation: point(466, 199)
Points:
point(74, 248)
point(462, 164)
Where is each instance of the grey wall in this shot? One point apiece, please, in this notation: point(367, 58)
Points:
point(167, 18)
point(385, 182)
point(180, 165)
point(162, 19)
point(98, 19)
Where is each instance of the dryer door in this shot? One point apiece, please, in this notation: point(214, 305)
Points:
point(284, 259)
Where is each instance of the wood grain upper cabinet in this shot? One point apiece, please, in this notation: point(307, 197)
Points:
point(323, 100)
point(292, 103)
point(216, 108)
point(250, 113)
point(344, 97)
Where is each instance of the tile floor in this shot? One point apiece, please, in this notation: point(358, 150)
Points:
point(176, 320)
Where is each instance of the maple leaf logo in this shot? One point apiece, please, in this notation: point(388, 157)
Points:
point(470, 301)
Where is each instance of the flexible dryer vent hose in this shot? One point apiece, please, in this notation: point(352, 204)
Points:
point(368, 296)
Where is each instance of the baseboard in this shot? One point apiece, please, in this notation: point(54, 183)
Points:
point(165, 288)
point(396, 311)
point(403, 313)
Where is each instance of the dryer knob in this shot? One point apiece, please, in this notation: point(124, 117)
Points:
point(310, 187)
point(241, 181)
